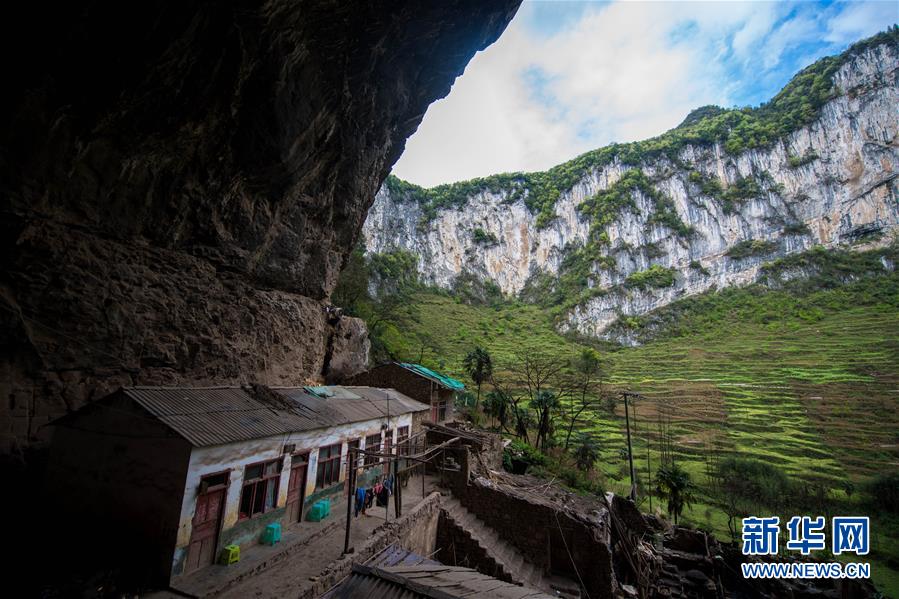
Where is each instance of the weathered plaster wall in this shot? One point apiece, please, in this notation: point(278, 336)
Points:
point(112, 484)
point(235, 457)
point(181, 183)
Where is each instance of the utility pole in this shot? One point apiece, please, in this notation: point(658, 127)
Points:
point(351, 481)
point(630, 448)
point(389, 446)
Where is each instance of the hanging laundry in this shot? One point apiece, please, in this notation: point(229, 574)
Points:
point(360, 500)
point(382, 496)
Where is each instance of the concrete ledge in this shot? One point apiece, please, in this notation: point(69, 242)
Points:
point(215, 582)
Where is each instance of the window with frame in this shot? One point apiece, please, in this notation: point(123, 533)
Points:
point(328, 471)
point(388, 443)
point(441, 411)
point(402, 441)
point(372, 443)
point(260, 488)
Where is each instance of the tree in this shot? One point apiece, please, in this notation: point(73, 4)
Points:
point(673, 483)
point(587, 387)
point(586, 452)
point(534, 380)
point(747, 486)
point(352, 286)
point(479, 367)
point(523, 421)
point(544, 404)
point(496, 405)
point(378, 288)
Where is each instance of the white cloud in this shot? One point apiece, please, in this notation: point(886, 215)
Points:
point(861, 19)
point(618, 72)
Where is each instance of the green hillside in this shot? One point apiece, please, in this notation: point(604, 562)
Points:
point(801, 374)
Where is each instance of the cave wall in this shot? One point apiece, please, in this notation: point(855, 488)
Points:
point(182, 182)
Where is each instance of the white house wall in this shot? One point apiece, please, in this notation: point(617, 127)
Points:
point(234, 457)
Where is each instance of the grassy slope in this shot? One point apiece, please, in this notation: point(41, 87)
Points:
point(816, 394)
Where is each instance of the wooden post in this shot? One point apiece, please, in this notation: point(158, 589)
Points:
point(351, 481)
point(397, 510)
point(630, 449)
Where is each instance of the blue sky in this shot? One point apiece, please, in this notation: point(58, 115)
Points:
point(567, 77)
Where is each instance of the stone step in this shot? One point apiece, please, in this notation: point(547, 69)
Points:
point(501, 552)
point(507, 557)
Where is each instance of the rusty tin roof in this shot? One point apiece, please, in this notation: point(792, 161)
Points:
point(218, 415)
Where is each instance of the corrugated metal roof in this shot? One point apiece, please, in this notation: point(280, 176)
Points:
point(394, 555)
point(398, 573)
point(219, 415)
point(441, 379)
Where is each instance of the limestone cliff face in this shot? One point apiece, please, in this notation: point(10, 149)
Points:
point(846, 186)
point(182, 181)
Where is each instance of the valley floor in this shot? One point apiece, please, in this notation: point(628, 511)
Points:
point(818, 396)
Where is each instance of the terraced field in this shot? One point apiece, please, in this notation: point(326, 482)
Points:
point(822, 401)
point(819, 399)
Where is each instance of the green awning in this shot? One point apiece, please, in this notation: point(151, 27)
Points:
point(448, 382)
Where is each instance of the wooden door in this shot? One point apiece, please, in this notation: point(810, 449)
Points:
point(296, 488)
point(205, 532)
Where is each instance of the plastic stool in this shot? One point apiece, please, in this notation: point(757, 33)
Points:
point(230, 554)
point(271, 534)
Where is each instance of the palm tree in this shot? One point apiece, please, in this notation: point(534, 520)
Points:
point(496, 404)
point(673, 483)
point(544, 404)
point(479, 367)
point(586, 452)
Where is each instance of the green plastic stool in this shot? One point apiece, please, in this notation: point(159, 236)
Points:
point(271, 534)
point(230, 555)
point(319, 511)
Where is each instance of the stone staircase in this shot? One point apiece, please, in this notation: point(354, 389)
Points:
point(510, 562)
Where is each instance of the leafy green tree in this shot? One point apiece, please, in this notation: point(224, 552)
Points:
point(586, 388)
point(352, 287)
point(479, 366)
point(379, 288)
point(586, 452)
point(673, 483)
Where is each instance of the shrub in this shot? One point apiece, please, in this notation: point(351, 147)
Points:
point(750, 247)
point(522, 453)
point(797, 228)
point(698, 267)
point(483, 237)
point(654, 277)
point(797, 161)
